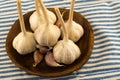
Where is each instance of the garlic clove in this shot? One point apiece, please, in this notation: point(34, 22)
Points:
point(37, 58)
point(43, 49)
point(50, 61)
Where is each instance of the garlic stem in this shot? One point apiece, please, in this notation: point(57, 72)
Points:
point(21, 19)
point(71, 12)
point(37, 7)
point(44, 11)
point(62, 23)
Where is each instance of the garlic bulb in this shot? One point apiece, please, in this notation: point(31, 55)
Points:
point(50, 61)
point(37, 18)
point(65, 51)
point(47, 34)
point(75, 30)
point(24, 42)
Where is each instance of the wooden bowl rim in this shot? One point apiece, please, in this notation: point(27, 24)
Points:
point(51, 75)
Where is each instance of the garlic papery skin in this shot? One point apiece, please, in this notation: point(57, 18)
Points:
point(37, 58)
point(75, 30)
point(37, 18)
point(47, 34)
point(50, 61)
point(65, 51)
point(24, 42)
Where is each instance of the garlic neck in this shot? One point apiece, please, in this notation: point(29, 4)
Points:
point(44, 11)
point(71, 12)
point(21, 19)
point(37, 9)
point(65, 32)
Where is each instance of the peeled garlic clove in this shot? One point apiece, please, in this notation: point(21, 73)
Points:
point(37, 58)
point(50, 61)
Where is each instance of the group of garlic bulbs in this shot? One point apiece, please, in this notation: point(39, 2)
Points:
point(57, 44)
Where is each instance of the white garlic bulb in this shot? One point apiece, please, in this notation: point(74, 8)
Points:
point(48, 34)
point(65, 51)
point(75, 30)
point(38, 18)
point(24, 42)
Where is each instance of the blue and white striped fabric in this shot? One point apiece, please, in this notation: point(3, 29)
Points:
point(103, 15)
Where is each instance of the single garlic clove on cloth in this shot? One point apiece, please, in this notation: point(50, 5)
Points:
point(65, 51)
point(50, 61)
point(37, 18)
point(24, 42)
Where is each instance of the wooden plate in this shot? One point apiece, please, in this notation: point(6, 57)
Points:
point(25, 62)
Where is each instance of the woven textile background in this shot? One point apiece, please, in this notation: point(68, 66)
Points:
point(104, 17)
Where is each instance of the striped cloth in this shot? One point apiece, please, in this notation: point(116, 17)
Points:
point(103, 15)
